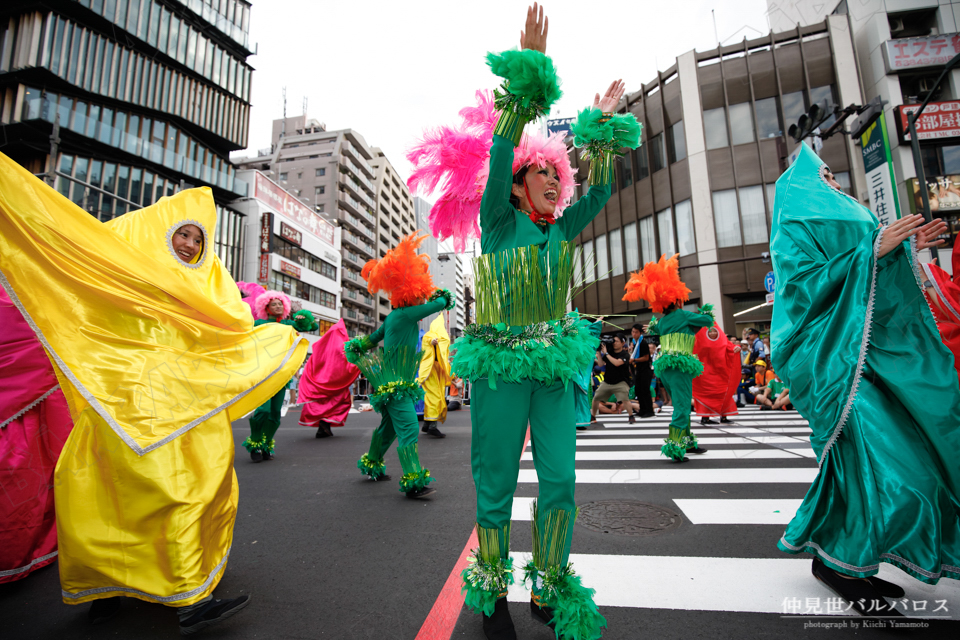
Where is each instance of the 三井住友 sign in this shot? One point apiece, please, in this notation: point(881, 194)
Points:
point(290, 234)
point(291, 208)
point(938, 120)
point(926, 51)
point(289, 269)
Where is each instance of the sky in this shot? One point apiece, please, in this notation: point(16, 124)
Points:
point(390, 70)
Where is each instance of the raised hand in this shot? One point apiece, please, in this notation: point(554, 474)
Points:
point(898, 232)
point(534, 35)
point(927, 234)
point(611, 98)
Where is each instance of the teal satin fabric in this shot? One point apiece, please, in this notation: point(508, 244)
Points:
point(856, 343)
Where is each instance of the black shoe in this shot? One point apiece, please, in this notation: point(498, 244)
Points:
point(632, 419)
point(764, 407)
point(436, 433)
point(706, 420)
point(256, 455)
point(103, 609)
point(499, 626)
point(267, 455)
point(215, 611)
point(725, 420)
point(861, 594)
point(419, 494)
point(649, 415)
point(543, 614)
point(581, 427)
point(698, 450)
point(323, 430)
point(427, 424)
point(739, 405)
point(886, 589)
point(380, 478)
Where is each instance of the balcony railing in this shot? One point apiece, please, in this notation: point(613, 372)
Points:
point(350, 313)
point(357, 241)
point(358, 157)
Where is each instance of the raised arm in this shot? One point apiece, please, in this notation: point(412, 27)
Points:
point(441, 300)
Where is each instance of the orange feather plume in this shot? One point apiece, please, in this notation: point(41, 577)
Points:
point(402, 273)
point(658, 283)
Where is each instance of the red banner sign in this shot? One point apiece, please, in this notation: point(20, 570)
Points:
point(290, 234)
point(266, 231)
point(926, 51)
point(938, 120)
point(289, 207)
point(263, 276)
point(289, 269)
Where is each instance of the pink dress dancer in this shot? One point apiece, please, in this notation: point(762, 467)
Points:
point(325, 384)
point(34, 424)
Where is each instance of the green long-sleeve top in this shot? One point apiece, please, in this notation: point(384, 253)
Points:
point(400, 328)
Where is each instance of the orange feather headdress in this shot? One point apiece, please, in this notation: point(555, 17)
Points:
point(402, 273)
point(658, 283)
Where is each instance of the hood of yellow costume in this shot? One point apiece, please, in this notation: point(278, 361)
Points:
point(155, 346)
point(438, 330)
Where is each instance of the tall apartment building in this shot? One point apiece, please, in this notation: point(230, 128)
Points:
point(902, 47)
point(702, 183)
point(344, 180)
point(120, 102)
point(430, 246)
point(450, 274)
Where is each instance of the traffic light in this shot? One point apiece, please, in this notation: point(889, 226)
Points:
point(866, 116)
point(809, 121)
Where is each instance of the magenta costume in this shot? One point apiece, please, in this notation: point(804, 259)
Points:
point(34, 425)
point(325, 383)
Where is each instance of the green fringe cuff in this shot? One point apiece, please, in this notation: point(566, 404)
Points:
point(601, 168)
point(510, 126)
point(687, 363)
point(707, 310)
point(531, 85)
point(602, 136)
point(396, 390)
point(356, 347)
point(677, 448)
point(415, 481)
point(545, 352)
point(484, 581)
point(414, 477)
point(303, 321)
point(653, 329)
point(575, 614)
point(372, 468)
point(255, 445)
point(446, 295)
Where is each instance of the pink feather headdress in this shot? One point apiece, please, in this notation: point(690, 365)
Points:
point(260, 306)
point(456, 160)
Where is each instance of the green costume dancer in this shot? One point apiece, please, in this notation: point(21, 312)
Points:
point(583, 391)
point(525, 349)
point(659, 284)
point(393, 369)
point(856, 343)
point(265, 421)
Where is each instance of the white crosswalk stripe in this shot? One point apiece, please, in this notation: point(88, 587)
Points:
point(766, 459)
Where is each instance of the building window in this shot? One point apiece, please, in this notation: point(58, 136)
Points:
point(726, 218)
point(741, 123)
point(304, 258)
point(589, 262)
point(293, 287)
point(603, 265)
point(665, 231)
point(648, 247)
point(715, 128)
point(643, 165)
point(754, 215)
point(320, 190)
point(768, 118)
point(300, 175)
point(632, 246)
point(794, 106)
point(321, 172)
point(283, 176)
point(627, 171)
point(616, 253)
point(771, 189)
point(676, 143)
point(685, 233)
point(320, 207)
point(843, 178)
point(658, 156)
point(824, 95)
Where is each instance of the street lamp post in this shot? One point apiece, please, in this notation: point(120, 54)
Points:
point(915, 146)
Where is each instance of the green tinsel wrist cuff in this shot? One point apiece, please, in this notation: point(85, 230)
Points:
point(601, 168)
point(372, 468)
point(510, 126)
point(653, 329)
point(684, 362)
point(484, 582)
point(446, 295)
point(398, 390)
point(355, 348)
point(707, 310)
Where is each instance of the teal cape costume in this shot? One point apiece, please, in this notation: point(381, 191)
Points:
point(856, 343)
point(583, 391)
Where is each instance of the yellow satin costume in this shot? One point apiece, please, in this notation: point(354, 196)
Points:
point(435, 371)
point(156, 357)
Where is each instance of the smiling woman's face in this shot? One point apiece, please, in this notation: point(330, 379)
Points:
point(543, 186)
point(187, 242)
point(275, 308)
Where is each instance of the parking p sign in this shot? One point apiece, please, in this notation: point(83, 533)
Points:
point(769, 282)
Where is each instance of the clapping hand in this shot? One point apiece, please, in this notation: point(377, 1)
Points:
point(611, 98)
point(907, 226)
point(534, 35)
point(927, 234)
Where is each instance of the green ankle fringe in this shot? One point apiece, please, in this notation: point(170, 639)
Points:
point(676, 448)
point(372, 468)
point(575, 614)
point(396, 390)
point(255, 445)
point(488, 575)
point(414, 477)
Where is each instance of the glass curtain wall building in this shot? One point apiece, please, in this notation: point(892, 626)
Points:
point(148, 97)
point(702, 183)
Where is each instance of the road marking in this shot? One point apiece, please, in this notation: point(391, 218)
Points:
point(736, 511)
point(521, 508)
point(712, 454)
point(647, 431)
point(685, 475)
point(627, 442)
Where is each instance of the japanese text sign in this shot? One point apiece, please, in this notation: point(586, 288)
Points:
point(938, 120)
point(289, 207)
point(927, 51)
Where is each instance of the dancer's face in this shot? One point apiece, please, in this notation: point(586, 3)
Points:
point(544, 188)
point(832, 180)
point(712, 333)
point(275, 308)
point(187, 242)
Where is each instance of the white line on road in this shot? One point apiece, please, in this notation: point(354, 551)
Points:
point(736, 511)
point(685, 475)
point(626, 442)
point(712, 454)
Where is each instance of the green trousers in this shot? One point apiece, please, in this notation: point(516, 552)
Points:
point(398, 421)
point(264, 423)
point(500, 418)
point(679, 385)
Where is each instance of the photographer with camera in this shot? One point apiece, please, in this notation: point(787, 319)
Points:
point(616, 377)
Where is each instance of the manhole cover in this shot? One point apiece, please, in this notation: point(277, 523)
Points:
point(627, 518)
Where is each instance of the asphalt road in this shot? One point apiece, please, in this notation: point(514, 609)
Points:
point(326, 553)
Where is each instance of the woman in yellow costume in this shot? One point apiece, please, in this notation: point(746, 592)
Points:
point(435, 376)
point(156, 354)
